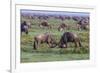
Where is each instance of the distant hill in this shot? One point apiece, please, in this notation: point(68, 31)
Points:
point(52, 13)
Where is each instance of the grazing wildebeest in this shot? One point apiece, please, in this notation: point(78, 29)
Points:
point(69, 37)
point(76, 18)
point(43, 17)
point(62, 27)
point(44, 24)
point(62, 18)
point(83, 24)
point(67, 17)
point(29, 24)
point(24, 27)
point(44, 38)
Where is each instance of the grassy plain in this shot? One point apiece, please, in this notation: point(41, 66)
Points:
point(44, 53)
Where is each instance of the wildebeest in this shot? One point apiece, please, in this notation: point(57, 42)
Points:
point(62, 27)
point(29, 24)
point(44, 24)
point(68, 17)
point(83, 24)
point(69, 37)
point(24, 27)
point(83, 27)
point(44, 38)
point(76, 18)
point(62, 18)
point(43, 17)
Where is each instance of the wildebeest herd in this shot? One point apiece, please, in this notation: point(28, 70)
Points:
point(48, 38)
point(55, 31)
point(82, 24)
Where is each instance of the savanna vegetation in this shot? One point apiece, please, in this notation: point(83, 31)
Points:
point(44, 53)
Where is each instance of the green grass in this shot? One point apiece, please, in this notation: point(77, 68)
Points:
point(44, 53)
point(44, 57)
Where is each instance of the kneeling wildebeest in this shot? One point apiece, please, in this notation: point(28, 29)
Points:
point(44, 38)
point(62, 27)
point(69, 37)
point(44, 24)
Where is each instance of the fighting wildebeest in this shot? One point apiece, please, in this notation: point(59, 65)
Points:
point(44, 38)
point(69, 37)
point(24, 27)
point(62, 27)
point(44, 24)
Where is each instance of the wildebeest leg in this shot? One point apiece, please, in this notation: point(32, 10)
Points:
point(80, 45)
point(35, 45)
point(75, 42)
point(49, 44)
point(26, 31)
point(76, 45)
point(38, 43)
point(66, 45)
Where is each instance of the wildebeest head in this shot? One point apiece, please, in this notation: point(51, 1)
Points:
point(53, 43)
point(69, 37)
point(51, 40)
